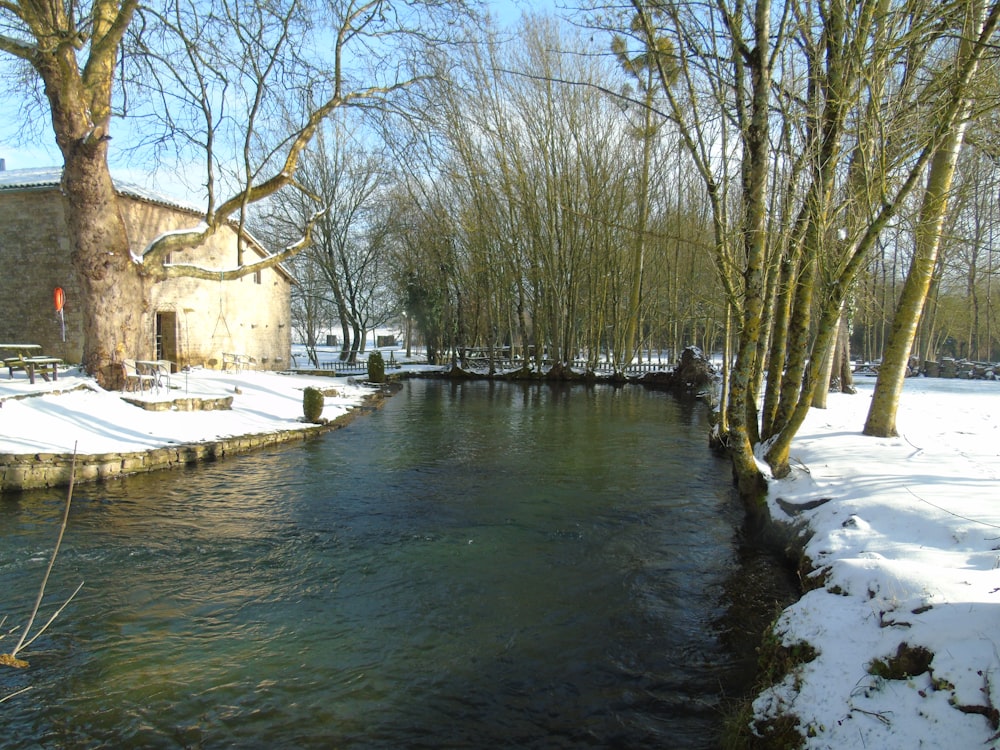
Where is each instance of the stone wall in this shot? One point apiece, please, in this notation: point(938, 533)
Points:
point(34, 260)
point(32, 471)
point(249, 316)
point(38, 470)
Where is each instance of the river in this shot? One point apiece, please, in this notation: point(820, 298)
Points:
point(476, 565)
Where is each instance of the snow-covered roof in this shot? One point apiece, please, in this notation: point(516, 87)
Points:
point(20, 179)
point(47, 177)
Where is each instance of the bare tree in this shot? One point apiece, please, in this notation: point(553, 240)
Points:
point(788, 277)
point(642, 66)
point(976, 31)
point(347, 183)
point(221, 69)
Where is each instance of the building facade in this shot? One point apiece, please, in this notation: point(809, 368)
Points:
point(187, 321)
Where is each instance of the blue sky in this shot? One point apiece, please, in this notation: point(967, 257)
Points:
point(42, 152)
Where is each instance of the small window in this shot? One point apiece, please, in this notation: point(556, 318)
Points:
point(257, 277)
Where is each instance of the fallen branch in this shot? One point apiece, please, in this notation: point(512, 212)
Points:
point(989, 711)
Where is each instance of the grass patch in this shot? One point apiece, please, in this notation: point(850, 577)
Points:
point(909, 661)
point(775, 662)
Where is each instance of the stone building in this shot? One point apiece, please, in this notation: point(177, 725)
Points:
point(187, 321)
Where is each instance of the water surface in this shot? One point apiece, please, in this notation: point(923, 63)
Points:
point(476, 565)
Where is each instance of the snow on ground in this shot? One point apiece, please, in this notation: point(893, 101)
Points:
point(906, 551)
point(907, 547)
point(74, 411)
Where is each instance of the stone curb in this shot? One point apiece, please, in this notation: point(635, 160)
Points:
point(27, 471)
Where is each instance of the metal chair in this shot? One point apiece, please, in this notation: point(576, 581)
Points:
point(134, 377)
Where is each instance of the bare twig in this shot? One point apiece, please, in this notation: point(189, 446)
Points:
point(880, 715)
point(16, 692)
point(11, 658)
point(54, 616)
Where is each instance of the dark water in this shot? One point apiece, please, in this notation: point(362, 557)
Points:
point(475, 566)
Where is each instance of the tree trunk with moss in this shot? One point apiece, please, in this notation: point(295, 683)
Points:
point(755, 138)
point(822, 387)
point(778, 348)
point(881, 421)
point(826, 333)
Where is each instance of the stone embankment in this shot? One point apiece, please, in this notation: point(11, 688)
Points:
point(184, 404)
point(39, 470)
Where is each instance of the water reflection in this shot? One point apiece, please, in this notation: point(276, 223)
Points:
point(479, 564)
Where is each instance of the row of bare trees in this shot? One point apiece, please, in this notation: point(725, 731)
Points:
point(537, 205)
point(760, 178)
point(549, 214)
point(567, 185)
point(752, 176)
point(817, 127)
point(961, 317)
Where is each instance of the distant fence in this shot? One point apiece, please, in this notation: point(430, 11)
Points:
point(480, 361)
point(344, 367)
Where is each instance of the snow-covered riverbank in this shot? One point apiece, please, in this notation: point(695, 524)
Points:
point(906, 556)
point(73, 411)
point(905, 540)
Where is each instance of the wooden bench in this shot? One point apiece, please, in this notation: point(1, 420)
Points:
point(21, 353)
point(14, 363)
point(31, 364)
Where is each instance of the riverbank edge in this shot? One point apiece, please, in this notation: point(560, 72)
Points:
point(786, 543)
point(679, 378)
point(31, 471)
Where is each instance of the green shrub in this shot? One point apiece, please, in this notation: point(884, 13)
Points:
point(312, 404)
point(376, 368)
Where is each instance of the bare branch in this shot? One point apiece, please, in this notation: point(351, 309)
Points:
point(110, 24)
point(17, 48)
point(197, 272)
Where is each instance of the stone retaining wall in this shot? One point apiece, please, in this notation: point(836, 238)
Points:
point(183, 404)
point(36, 470)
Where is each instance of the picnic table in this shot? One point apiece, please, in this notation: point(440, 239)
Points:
point(30, 358)
point(23, 350)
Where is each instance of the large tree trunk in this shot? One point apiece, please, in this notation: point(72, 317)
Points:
point(111, 286)
point(113, 298)
point(881, 420)
point(755, 185)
